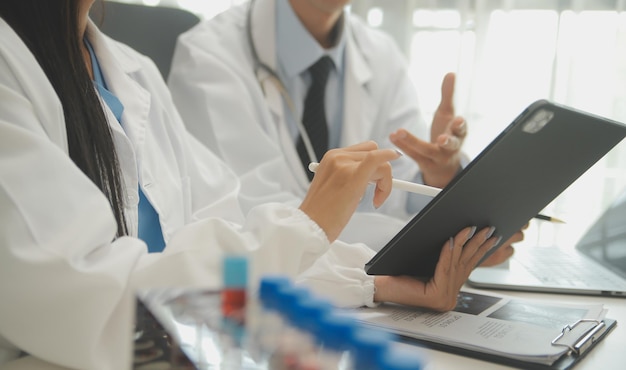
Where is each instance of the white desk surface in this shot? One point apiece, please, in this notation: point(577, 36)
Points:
point(610, 353)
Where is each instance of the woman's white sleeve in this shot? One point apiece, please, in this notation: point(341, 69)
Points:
point(339, 275)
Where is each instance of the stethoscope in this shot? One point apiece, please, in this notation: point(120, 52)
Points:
point(273, 77)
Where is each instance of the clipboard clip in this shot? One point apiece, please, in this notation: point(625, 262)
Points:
point(586, 340)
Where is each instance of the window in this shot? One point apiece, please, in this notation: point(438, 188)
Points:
point(509, 53)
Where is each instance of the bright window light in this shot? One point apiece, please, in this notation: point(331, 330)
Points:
point(447, 19)
point(438, 19)
point(375, 17)
point(422, 18)
point(151, 2)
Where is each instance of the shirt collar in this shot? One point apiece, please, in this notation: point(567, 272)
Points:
point(111, 100)
point(297, 50)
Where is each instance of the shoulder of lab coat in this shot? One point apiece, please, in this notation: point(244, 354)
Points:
point(59, 253)
point(215, 88)
point(209, 186)
point(57, 228)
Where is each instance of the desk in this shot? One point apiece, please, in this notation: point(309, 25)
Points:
point(608, 354)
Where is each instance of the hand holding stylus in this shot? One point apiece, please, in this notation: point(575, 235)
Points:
point(432, 192)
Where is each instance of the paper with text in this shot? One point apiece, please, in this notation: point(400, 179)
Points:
point(493, 324)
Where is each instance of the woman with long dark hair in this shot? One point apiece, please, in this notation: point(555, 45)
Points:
point(97, 170)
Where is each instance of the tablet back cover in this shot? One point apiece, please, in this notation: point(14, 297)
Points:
point(544, 150)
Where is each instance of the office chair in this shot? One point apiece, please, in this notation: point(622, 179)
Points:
point(150, 30)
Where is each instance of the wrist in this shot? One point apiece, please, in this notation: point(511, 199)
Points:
point(379, 289)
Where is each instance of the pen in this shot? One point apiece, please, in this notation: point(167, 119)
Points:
point(399, 184)
point(549, 218)
point(430, 191)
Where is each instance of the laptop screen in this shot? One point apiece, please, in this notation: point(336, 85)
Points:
point(605, 241)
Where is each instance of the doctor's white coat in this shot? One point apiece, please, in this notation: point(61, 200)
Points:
point(66, 284)
point(216, 88)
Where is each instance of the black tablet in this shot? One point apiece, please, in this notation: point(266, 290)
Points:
point(546, 148)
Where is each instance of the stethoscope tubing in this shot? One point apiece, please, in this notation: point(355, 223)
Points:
point(276, 81)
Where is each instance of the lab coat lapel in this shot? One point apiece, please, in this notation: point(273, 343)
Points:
point(359, 105)
point(264, 31)
point(117, 75)
point(130, 139)
point(264, 39)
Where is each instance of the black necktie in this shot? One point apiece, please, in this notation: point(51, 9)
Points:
point(314, 115)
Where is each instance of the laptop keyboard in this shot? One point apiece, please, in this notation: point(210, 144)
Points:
point(553, 266)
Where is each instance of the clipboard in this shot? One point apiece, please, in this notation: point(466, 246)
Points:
point(544, 150)
point(573, 356)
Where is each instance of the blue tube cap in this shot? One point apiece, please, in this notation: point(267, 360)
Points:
point(235, 272)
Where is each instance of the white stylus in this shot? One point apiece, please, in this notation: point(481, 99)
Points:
point(400, 184)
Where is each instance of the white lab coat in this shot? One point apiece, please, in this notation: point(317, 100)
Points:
point(67, 287)
point(215, 86)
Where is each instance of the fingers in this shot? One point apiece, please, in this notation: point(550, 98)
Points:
point(501, 254)
point(483, 243)
point(458, 128)
point(457, 259)
point(449, 143)
point(453, 250)
point(444, 114)
point(452, 139)
point(459, 241)
point(340, 181)
point(447, 93)
point(444, 146)
point(360, 147)
point(372, 165)
point(364, 159)
point(383, 184)
point(455, 265)
point(413, 146)
point(468, 247)
point(505, 251)
point(515, 238)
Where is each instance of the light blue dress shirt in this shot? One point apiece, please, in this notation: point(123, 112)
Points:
point(149, 225)
point(296, 51)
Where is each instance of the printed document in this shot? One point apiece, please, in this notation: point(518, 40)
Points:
point(493, 324)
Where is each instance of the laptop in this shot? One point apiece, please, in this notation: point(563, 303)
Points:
point(595, 266)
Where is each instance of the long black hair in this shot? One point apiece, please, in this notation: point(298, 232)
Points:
point(50, 29)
